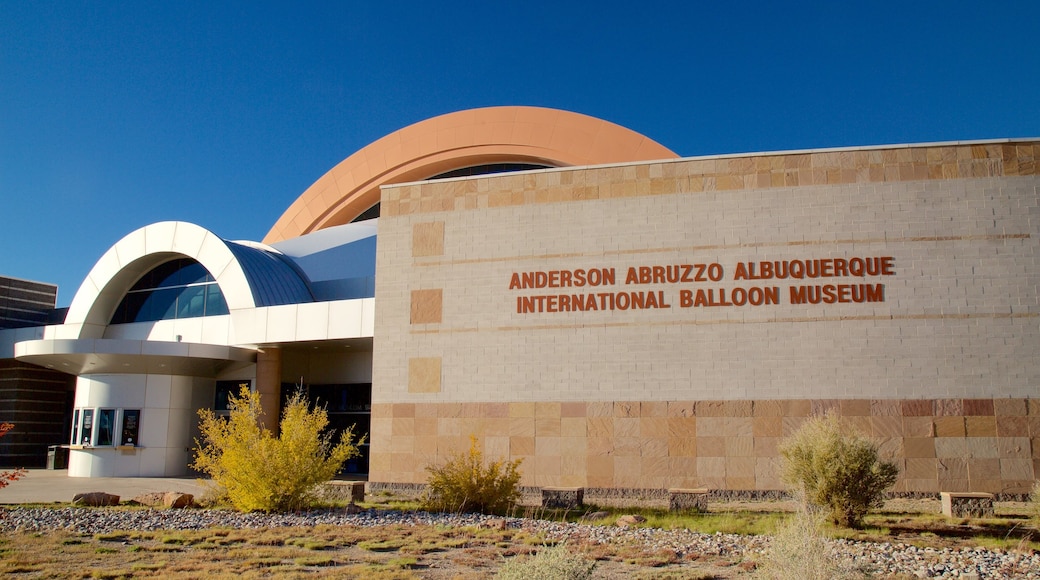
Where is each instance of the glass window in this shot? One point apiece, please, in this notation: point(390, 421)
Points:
point(225, 390)
point(106, 426)
point(191, 302)
point(88, 427)
point(75, 427)
point(131, 424)
point(215, 304)
point(177, 289)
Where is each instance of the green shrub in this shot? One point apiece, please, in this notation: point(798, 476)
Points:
point(831, 466)
point(261, 472)
point(556, 563)
point(466, 484)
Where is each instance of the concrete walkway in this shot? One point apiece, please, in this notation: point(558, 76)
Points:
point(55, 485)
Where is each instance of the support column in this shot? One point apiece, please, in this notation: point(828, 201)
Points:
point(269, 385)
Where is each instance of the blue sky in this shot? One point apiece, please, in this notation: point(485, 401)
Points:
point(114, 115)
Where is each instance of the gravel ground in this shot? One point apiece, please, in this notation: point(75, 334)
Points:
point(881, 558)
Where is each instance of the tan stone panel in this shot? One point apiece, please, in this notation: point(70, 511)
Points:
point(627, 447)
point(711, 472)
point(547, 427)
point(573, 446)
point(767, 446)
point(599, 409)
point(796, 408)
point(547, 410)
point(426, 306)
point(654, 427)
point(521, 427)
point(740, 446)
point(403, 409)
point(919, 447)
point(657, 467)
point(682, 426)
point(885, 407)
point(855, 408)
point(428, 410)
point(952, 468)
point(792, 424)
point(740, 467)
point(599, 471)
point(1010, 407)
point(922, 485)
point(859, 425)
point(547, 465)
point(496, 410)
point(381, 410)
point(980, 426)
point(980, 407)
point(918, 426)
point(600, 445)
point(521, 410)
point(767, 409)
point(547, 445)
point(653, 447)
point(951, 447)
point(403, 426)
point(600, 427)
point(626, 427)
point(921, 468)
point(890, 447)
point(1012, 426)
point(424, 375)
point(627, 472)
point(682, 446)
point(1014, 447)
point(886, 426)
point(683, 409)
point(711, 446)
point(917, 408)
point(682, 472)
point(428, 239)
point(425, 426)
point(1016, 469)
point(521, 446)
point(767, 426)
point(820, 407)
point(626, 409)
point(572, 409)
point(573, 427)
point(426, 446)
point(949, 427)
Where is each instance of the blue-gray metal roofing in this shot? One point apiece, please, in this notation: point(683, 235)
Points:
point(272, 278)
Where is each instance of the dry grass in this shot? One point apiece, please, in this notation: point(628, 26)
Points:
point(394, 552)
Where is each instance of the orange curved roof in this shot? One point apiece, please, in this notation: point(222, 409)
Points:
point(453, 141)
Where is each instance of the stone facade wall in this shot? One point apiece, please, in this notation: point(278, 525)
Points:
point(989, 445)
point(482, 327)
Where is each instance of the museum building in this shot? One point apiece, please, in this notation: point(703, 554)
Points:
point(575, 295)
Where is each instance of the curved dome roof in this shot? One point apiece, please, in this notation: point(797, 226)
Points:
point(457, 140)
point(249, 275)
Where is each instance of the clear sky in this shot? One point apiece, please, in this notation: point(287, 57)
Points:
point(115, 115)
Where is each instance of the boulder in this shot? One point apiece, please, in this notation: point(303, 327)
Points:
point(95, 499)
point(152, 499)
point(630, 520)
point(177, 500)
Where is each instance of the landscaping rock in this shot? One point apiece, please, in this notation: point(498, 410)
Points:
point(151, 499)
point(629, 520)
point(95, 499)
point(178, 500)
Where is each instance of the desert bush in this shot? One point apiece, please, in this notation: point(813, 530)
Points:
point(555, 563)
point(260, 472)
point(798, 549)
point(466, 483)
point(829, 465)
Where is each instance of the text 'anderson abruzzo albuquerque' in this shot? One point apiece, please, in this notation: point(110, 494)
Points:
point(815, 281)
